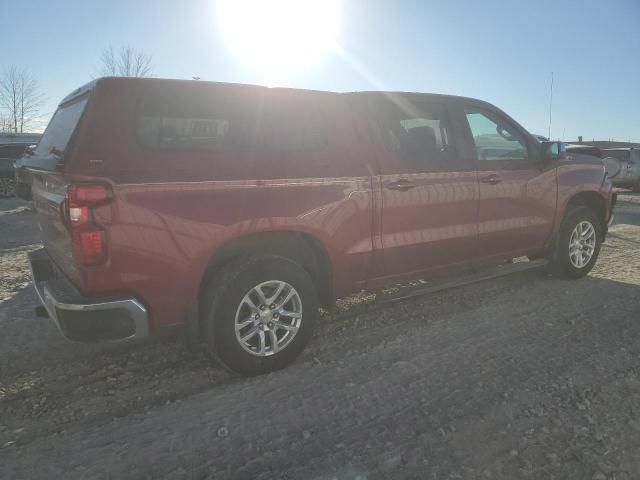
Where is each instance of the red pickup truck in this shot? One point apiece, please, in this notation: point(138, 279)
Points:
point(246, 208)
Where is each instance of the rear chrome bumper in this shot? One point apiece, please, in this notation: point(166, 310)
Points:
point(82, 318)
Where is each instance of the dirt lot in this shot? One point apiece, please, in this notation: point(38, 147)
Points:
point(520, 377)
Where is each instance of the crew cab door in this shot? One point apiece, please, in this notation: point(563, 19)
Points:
point(427, 193)
point(517, 195)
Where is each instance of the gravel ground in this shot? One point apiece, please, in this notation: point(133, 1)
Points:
point(519, 377)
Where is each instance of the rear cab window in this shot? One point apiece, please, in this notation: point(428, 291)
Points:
point(53, 145)
point(61, 127)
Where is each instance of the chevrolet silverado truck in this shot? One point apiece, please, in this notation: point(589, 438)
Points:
point(240, 210)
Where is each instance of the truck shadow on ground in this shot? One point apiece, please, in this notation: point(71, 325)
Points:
point(48, 383)
point(521, 351)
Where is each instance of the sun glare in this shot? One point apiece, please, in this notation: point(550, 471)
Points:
point(278, 36)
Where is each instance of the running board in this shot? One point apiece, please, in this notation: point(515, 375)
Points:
point(495, 272)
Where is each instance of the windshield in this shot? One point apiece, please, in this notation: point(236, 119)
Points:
point(60, 128)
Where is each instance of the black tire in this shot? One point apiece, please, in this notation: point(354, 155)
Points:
point(562, 264)
point(223, 297)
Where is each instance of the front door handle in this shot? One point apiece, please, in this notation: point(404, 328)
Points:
point(401, 185)
point(491, 179)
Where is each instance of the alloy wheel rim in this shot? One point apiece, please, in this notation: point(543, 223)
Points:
point(268, 318)
point(582, 244)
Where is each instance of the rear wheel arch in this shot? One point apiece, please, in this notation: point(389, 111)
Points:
point(300, 247)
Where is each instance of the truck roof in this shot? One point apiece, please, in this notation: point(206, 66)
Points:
point(373, 93)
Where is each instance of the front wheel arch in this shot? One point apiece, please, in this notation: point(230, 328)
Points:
point(592, 200)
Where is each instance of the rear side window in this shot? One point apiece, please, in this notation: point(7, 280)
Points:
point(233, 132)
point(294, 122)
point(306, 134)
point(61, 127)
point(182, 132)
point(196, 119)
point(418, 133)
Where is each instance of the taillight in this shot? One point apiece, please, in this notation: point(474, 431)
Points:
point(89, 239)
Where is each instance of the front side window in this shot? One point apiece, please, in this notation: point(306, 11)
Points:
point(494, 139)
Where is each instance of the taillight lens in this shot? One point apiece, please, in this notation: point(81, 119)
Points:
point(90, 246)
point(89, 239)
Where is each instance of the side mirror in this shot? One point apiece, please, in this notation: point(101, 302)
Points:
point(553, 151)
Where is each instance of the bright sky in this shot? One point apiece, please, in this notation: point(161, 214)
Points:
point(502, 52)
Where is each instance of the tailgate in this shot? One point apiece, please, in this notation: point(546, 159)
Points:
point(44, 171)
point(48, 190)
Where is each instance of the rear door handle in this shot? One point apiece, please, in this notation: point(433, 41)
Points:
point(401, 185)
point(491, 179)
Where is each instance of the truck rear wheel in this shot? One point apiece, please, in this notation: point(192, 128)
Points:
point(261, 314)
point(579, 242)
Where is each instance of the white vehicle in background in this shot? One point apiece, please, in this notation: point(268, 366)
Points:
point(623, 167)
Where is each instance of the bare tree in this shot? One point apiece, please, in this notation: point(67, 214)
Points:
point(126, 62)
point(20, 98)
point(5, 124)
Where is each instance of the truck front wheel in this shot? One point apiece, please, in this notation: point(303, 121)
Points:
point(578, 243)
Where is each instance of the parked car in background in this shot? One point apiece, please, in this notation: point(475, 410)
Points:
point(240, 210)
point(9, 153)
point(625, 167)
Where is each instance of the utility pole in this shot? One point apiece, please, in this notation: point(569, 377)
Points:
point(550, 106)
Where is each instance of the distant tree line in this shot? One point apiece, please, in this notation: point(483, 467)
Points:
point(125, 62)
point(20, 100)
